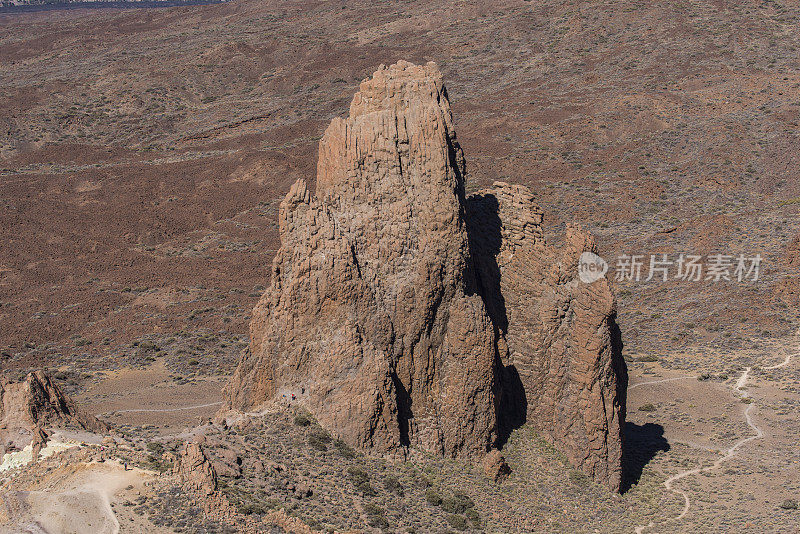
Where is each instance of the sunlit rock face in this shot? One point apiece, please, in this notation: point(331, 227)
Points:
point(407, 317)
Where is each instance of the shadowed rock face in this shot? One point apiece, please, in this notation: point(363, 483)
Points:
point(405, 317)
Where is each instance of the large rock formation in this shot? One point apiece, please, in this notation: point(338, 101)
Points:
point(373, 320)
point(34, 403)
point(400, 314)
point(563, 370)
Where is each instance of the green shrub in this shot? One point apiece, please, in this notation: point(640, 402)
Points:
point(357, 474)
point(319, 440)
point(458, 522)
point(422, 481)
point(433, 497)
point(393, 485)
point(376, 514)
point(302, 419)
point(649, 407)
point(474, 517)
point(457, 504)
point(378, 521)
point(148, 345)
point(578, 478)
point(373, 509)
point(344, 449)
point(360, 480)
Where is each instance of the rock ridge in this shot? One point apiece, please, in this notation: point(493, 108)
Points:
point(36, 402)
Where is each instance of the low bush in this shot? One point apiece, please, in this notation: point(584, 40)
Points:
point(360, 480)
point(474, 518)
point(319, 440)
point(393, 485)
point(377, 517)
point(458, 503)
point(458, 522)
point(433, 497)
point(302, 419)
point(344, 449)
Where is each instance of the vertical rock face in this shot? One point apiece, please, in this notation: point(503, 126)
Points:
point(372, 320)
point(563, 370)
point(402, 315)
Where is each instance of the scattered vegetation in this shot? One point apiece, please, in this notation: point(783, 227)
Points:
point(433, 497)
point(360, 480)
point(303, 419)
point(319, 439)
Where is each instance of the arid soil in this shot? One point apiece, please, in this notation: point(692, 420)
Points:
point(724, 439)
point(143, 154)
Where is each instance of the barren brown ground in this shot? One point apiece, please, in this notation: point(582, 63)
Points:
point(143, 154)
point(725, 441)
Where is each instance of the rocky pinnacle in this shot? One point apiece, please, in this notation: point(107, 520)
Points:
point(407, 317)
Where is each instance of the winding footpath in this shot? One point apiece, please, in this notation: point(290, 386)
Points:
point(659, 381)
point(164, 410)
point(726, 454)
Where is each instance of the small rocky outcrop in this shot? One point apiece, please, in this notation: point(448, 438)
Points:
point(495, 467)
point(227, 463)
point(195, 470)
point(37, 402)
point(405, 316)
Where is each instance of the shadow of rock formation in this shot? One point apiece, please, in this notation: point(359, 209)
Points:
point(641, 444)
